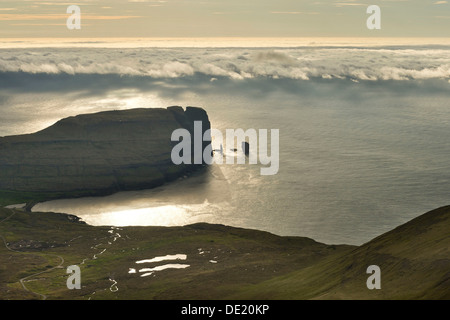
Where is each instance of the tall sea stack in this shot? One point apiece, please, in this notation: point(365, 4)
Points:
point(97, 154)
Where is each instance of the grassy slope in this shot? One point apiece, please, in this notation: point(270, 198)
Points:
point(414, 261)
point(244, 257)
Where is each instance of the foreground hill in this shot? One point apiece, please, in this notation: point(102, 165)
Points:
point(217, 262)
point(414, 259)
point(221, 259)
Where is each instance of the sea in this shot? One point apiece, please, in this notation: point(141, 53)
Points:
point(364, 126)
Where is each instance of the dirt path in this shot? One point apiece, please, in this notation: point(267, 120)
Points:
point(22, 280)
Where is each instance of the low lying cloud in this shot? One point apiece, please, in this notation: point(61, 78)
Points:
point(359, 64)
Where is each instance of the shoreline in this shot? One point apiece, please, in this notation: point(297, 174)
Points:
point(204, 187)
point(31, 199)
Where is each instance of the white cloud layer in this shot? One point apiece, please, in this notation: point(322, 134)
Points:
point(360, 64)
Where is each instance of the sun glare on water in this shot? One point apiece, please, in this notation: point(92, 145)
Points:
point(169, 215)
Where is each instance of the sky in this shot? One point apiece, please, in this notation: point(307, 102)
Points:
point(224, 18)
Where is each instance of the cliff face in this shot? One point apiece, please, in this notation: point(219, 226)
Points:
point(98, 153)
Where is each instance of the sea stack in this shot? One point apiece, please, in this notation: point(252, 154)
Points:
point(246, 148)
point(98, 154)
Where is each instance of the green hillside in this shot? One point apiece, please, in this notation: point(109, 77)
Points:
point(414, 260)
point(223, 262)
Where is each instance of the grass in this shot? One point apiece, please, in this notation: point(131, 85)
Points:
point(414, 260)
point(251, 264)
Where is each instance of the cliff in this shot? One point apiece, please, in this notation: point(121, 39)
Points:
point(97, 154)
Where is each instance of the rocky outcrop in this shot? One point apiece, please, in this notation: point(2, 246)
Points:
point(98, 153)
point(246, 148)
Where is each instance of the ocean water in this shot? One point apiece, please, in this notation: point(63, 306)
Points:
point(364, 131)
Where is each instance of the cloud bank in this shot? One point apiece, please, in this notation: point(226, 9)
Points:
point(358, 64)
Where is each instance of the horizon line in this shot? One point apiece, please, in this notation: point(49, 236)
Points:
point(161, 42)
